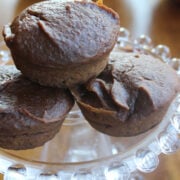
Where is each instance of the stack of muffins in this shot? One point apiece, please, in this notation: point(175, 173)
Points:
point(64, 52)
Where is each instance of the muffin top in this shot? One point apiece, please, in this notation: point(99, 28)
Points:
point(131, 84)
point(24, 104)
point(53, 33)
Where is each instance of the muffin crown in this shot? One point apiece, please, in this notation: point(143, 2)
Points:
point(53, 32)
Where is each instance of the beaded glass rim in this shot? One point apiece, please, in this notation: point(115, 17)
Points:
point(145, 159)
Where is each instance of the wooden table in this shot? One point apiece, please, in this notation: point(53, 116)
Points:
point(160, 19)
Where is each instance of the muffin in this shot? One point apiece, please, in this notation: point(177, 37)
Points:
point(30, 114)
point(130, 96)
point(62, 43)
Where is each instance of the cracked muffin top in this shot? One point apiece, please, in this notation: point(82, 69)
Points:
point(131, 84)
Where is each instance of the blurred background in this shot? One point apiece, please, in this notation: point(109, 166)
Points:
point(159, 19)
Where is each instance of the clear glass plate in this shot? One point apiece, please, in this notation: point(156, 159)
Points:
point(80, 152)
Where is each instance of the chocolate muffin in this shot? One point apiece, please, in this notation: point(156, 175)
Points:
point(130, 96)
point(30, 114)
point(59, 43)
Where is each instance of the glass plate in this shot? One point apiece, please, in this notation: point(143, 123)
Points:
point(80, 152)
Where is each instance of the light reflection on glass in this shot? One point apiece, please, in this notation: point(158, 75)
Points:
point(141, 13)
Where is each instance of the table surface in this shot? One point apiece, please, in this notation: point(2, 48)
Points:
point(160, 19)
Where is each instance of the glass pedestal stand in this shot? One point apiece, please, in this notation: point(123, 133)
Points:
point(78, 152)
